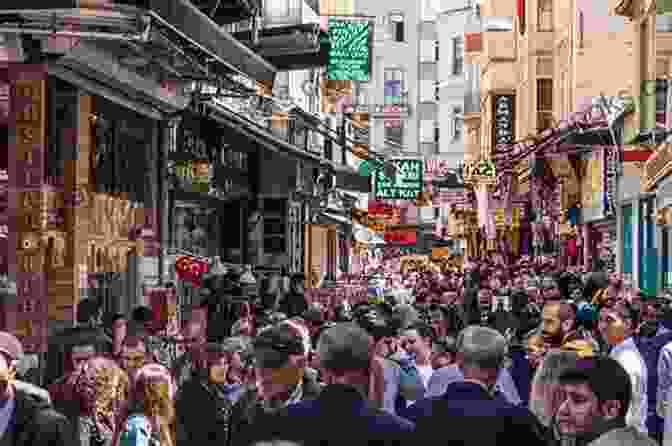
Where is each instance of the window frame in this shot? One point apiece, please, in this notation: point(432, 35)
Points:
point(402, 125)
point(395, 25)
point(458, 61)
point(544, 115)
point(458, 123)
point(402, 79)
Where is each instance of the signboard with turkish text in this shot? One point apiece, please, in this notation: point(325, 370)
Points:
point(407, 183)
point(350, 53)
point(401, 236)
point(504, 119)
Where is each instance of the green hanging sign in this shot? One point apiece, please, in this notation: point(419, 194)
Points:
point(350, 51)
point(407, 183)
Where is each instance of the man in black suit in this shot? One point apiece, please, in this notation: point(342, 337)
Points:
point(341, 414)
point(470, 412)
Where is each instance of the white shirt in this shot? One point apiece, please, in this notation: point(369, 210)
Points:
point(627, 354)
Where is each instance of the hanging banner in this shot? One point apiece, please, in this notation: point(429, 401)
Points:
point(504, 120)
point(401, 236)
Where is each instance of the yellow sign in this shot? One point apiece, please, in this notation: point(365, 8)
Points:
point(515, 218)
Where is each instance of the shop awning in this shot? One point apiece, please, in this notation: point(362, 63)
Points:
point(266, 139)
point(296, 47)
point(179, 19)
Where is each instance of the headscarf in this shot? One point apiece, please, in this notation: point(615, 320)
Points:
point(99, 386)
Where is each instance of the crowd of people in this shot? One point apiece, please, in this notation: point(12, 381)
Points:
point(487, 355)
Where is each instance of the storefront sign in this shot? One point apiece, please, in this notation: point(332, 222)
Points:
point(190, 269)
point(350, 53)
point(196, 175)
point(437, 168)
point(401, 236)
point(503, 112)
point(384, 212)
point(407, 183)
point(610, 176)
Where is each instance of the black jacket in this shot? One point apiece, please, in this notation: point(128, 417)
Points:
point(249, 409)
point(467, 415)
point(293, 305)
point(36, 423)
point(203, 412)
point(339, 416)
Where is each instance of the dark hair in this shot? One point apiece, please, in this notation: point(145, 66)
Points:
point(142, 314)
point(424, 330)
point(605, 377)
point(87, 309)
point(133, 341)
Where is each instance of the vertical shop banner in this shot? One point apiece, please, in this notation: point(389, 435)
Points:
point(504, 120)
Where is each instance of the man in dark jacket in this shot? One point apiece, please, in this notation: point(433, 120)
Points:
point(341, 415)
point(294, 303)
point(470, 413)
point(204, 403)
point(282, 378)
point(26, 418)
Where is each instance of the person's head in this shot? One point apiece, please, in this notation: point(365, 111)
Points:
point(89, 312)
point(617, 323)
point(444, 351)
point(11, 351)
point(81, 352)
point(153, 394)
point(144, 317)
point(240, 350)
point(100, 387)
point(417, 340)
point(344, 351)
point(535, 349)
point(597, 390)
point(280, 359)
point(481, 353)
point(217, 360)
point(557, 319)
point(133, 355)
point(193, 336)
point(545, 390)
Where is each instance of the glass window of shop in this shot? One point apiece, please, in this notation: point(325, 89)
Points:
point(648, 259)
point(627, 242)
point(666, 279)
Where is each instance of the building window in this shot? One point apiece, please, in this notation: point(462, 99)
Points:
point(394, 134)
point(458, 124)
point(544, 104)
point(397, 25)
point(437, 213)
point(436, 50)
point(664, 23)
point(436, 133)
point(394, 86)
point(458, 56)
point(545, 15)
point(275, 226)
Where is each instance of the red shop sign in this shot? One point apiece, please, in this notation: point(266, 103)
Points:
point(402, 237)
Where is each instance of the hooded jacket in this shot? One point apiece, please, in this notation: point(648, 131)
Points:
point(35, 422)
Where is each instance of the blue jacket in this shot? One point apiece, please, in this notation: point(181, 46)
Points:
point(467, 414)
point(339, 416)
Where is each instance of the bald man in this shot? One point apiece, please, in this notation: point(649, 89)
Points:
point(193, 337)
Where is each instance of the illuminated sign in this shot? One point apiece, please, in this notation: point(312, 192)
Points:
point(406, 184)
point(401, 236)
point(504, 120)
point(350, 53)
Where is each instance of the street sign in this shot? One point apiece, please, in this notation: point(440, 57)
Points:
point(407, 183)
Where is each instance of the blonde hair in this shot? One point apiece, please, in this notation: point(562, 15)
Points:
point(152, 395)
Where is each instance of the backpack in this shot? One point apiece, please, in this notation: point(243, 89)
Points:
point(138, 432)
